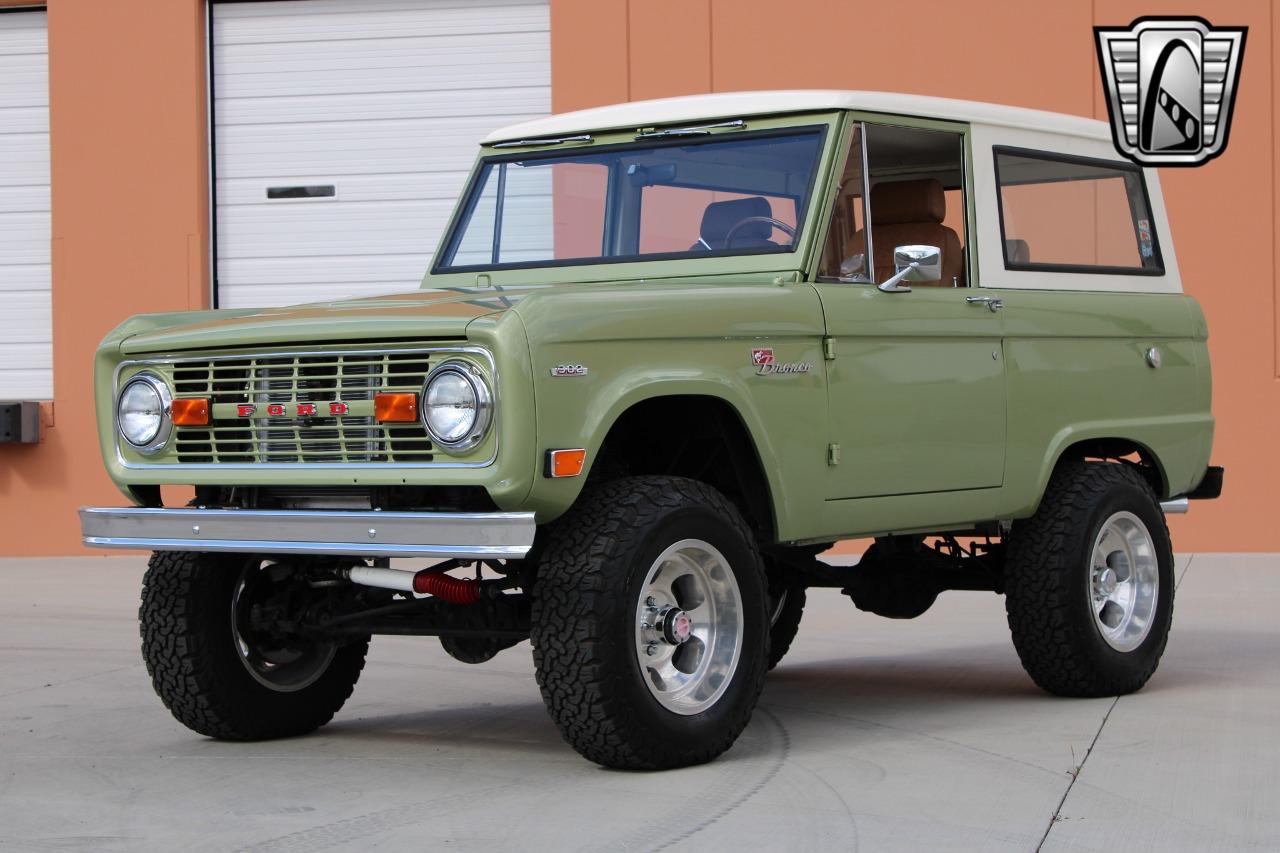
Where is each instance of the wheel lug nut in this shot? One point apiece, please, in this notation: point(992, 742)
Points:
point(650, 602)
point(651, 649)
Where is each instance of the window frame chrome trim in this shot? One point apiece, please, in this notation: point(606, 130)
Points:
point(478, 352)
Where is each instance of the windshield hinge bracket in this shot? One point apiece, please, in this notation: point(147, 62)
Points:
point(829, 348)
point(833, 454)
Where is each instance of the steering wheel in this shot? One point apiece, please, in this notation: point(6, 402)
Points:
point(776, 223)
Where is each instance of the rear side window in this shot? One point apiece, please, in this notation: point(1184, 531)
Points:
point(1074, 214)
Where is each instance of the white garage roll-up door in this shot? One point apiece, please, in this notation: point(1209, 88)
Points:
point(343, 130)
point(26, 317)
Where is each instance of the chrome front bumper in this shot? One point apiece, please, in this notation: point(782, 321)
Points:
point(445, 535)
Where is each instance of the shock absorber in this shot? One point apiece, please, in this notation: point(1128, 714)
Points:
point(432, 581)
point(453, 590)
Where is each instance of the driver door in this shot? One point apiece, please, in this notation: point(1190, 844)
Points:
point(916, 379)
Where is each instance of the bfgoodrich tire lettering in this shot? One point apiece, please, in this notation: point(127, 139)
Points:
point(1048, 582)
point(591, 578)
point(190, 649)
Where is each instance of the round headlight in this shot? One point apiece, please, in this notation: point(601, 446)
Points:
point(456, 406)
point(143, 412)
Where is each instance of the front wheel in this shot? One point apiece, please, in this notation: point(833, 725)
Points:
point(650, 624)
point(220, 658)
point(1089, 582)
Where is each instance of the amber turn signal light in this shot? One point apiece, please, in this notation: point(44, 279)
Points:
point(565, 463)
point(190, 412)
point(395, 408)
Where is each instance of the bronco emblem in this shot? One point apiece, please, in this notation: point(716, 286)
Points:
point(766, 364)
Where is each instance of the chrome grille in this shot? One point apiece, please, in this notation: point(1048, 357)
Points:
point(287, 380)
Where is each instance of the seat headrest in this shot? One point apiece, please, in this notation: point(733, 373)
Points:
point(720, 216)
point(1017, 251)
point(908, 201)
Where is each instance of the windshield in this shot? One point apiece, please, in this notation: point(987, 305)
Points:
point(738, 194)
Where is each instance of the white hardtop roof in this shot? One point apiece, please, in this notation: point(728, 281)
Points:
point(730, 105)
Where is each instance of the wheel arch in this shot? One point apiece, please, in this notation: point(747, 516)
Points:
point(1116, 449)
point(719, 448)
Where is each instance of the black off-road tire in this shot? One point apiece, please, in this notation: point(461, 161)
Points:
point(189, 648)
point(1047, 570)
point(785, 620)
point(589, 581)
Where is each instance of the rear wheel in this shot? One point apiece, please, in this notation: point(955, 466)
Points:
point(786, 607)
point(221, 657)
point(650, 624)
point(1089, 582)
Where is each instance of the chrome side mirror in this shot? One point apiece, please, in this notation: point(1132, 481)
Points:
point(913, 263)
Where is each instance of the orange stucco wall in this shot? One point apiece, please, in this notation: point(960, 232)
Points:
point(129, 167)
point(128, 155)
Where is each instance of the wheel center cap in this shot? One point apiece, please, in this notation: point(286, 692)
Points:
point(677, 627)
point(1107, 581)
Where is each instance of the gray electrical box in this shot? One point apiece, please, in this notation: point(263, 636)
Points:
point(19, 422)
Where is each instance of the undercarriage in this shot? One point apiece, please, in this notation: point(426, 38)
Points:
point(476, 614)
point(478, 608)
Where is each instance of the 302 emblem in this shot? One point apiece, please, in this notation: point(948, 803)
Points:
point(766, 363)
point(569, 370)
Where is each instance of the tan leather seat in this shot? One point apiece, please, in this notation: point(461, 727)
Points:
point(911, 213)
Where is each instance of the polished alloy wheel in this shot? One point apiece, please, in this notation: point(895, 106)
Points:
point(280, 662)
point(1124, 581)
point(689, 627)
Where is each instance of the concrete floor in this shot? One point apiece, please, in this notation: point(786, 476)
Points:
point(872, 735)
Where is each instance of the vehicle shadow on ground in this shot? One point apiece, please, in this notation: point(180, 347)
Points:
point(840, 687)
point(517, 725)
point(927, 685)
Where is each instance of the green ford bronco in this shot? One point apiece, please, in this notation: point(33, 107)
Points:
point(666, 354)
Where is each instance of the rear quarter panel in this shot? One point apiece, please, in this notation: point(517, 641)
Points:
point(1077, 370)
point(1075, 343)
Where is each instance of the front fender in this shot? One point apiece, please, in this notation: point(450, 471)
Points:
point(679, 346)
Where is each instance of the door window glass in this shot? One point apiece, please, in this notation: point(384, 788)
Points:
point(917, 198)
point(844, 257)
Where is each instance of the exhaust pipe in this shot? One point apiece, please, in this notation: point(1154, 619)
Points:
point(1176, 506)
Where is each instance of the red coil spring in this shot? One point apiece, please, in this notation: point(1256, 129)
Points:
point(451, 589)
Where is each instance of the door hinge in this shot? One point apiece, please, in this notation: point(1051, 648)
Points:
point(829, 348)
point(833, 454)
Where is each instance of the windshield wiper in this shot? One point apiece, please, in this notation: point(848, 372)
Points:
point(697, 130)
point(548, 140)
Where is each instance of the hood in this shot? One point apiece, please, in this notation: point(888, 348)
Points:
point(429, 314)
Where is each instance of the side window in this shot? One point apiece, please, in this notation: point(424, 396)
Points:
point(1073, 214)
point(917, 197)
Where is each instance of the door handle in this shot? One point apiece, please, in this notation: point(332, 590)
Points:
point(989, 301)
